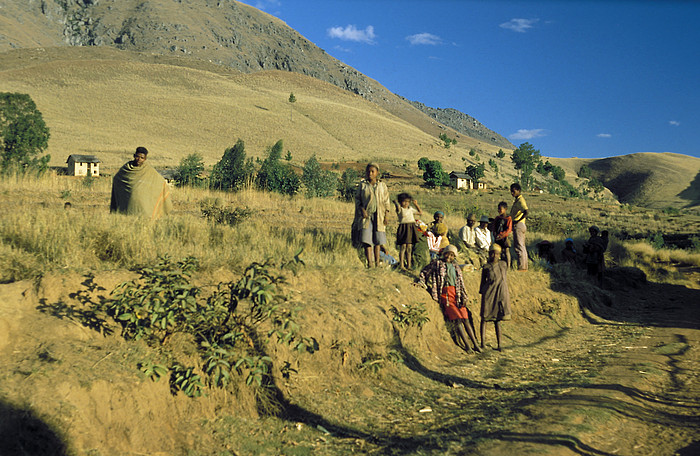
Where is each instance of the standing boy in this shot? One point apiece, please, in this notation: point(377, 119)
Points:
point(518, 212)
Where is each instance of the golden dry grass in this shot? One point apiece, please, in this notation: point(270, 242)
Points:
point(107, 107)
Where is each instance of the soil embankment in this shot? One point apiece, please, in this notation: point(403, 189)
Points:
point(616, 379)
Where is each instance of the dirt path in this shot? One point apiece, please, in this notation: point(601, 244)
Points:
point(626, 384)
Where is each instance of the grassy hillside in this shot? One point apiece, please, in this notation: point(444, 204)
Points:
point(657, 180)
point(107, 106)
point(74, 383)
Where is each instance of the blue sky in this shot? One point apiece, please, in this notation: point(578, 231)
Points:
point(573, 78)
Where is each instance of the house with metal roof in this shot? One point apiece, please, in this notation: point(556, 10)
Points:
point(83, 165)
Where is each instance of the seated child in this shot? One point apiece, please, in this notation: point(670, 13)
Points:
point(439, 230)
point(444, 281)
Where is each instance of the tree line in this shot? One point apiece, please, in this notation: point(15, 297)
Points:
point(235, 171)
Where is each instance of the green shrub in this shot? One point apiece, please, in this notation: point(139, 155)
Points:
point(276, 176)
point(318, 182)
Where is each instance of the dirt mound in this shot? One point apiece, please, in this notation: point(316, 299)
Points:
point(81, 378)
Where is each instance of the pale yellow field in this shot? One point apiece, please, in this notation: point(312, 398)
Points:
point(109, 107)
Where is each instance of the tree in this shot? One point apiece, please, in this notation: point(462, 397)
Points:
point(292, 100)
point(422, 163)
point(318, 182)
point(348, 184)
point(189, 170)
point(500, 153)
point(233, 171)
point(275, 176)
point(23, 134)
point(448, 141)
point(558, 173)
point(476, 172)
point(585, 171)
point(434, 176)
point(493, 165)
point(524, 158)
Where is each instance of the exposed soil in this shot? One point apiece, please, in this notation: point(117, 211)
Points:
point(615, 379)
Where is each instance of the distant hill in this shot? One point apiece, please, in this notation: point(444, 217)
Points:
point(463, 123)
point(647, 179)
point(223, 32)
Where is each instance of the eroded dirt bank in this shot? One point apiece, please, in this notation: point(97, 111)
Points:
point(620, 379)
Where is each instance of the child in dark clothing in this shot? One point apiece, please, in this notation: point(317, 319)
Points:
point(502, 227)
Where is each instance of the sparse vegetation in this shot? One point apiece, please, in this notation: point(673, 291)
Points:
point(23, 134)
point(190, 170)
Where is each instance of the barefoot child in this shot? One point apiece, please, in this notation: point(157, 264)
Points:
point(406, 234)
point(444, 281)
point(495, 299)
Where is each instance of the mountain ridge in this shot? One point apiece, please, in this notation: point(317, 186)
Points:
point(224, 32)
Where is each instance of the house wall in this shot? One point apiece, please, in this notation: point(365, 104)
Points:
point(81, 169)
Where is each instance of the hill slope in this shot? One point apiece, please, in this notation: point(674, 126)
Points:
point(648, 179)
point(224, 32)
point(106, 102)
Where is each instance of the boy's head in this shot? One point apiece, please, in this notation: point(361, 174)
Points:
point(594, 230)
point(371, 168)
point(483, 221)
point(439, 216)
point(515, 189)
point(471, 220)
point(502, 207)
point(404, 197)
point(140, 156)
point(569, 243)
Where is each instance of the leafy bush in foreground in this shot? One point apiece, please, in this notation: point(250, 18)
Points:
point(225, 324)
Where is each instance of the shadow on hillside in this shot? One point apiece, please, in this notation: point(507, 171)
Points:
point(692, 193)
point(632, 302)
point(472, 424)
point(23, 433)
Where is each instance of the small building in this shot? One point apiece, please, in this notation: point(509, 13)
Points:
point(83, 165)
point(461, 181)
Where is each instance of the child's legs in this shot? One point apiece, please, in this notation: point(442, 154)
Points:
point(402, 255)
point(497, 324)
point(377, 249)
point(409, 255)
point(482, 330)
point(464, 324)
point(369, 254)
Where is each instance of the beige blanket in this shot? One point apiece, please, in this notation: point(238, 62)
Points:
point(140, 190)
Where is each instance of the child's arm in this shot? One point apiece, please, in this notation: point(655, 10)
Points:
point(415, 203)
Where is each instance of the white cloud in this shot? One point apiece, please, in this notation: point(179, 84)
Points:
point(528, 134)
point(342, 49)
point(352, 33)
point(604, 135)
point(675, 123)
point(519, 25)
point(424, 38)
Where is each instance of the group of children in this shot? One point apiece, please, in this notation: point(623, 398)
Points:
point(487, 247)
point(443, 276)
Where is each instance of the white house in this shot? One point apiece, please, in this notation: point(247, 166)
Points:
point(461, 181)
point(83, 165)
